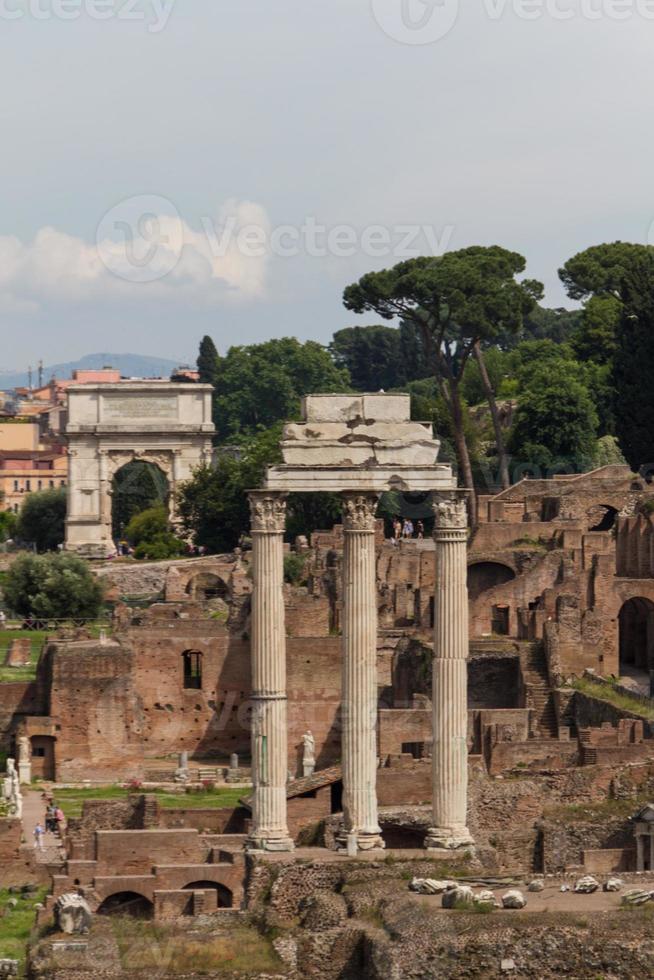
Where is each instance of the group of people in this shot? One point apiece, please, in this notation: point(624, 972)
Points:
point(406, 529)
point(54, 822)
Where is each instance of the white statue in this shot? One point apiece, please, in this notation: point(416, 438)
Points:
point(12, 793)
point(24, 761)
point(308, 754)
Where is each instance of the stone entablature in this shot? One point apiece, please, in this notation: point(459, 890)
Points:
point(109, 425)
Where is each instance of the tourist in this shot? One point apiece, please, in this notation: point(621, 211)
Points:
point(50, 819)
point(407, 529)
point(397, 529)
point(38, 837)
point(3, 619)
point(421, 530)
point(60, 821)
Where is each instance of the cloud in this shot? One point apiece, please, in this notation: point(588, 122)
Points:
point(143, 250)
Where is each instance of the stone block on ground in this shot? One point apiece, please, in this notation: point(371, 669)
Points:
point(514, 899)
point(458, 897)
point(586, 885)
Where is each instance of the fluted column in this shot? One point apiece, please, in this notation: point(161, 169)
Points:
point(359, 693)
point(269, 740)
point(450, 679)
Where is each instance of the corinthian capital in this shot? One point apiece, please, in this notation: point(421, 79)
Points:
point(451, 513)
point(359, 511)
point(267, 511)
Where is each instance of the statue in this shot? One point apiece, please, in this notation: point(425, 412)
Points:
point(72, 914)
point(308, 754)
point(182, 774)
point(11, 791)
point(24, 761)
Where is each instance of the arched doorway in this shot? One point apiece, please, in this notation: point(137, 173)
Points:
point(127, 903)
point(136, 486)
point(602, 518)
point(485, 575)
point(636, 620)
point(223, 896)
point(207, 587)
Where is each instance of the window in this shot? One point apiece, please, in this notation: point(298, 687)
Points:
point(51, 483)
point(15, 486)
point(62, 483)
point(39, 485)
point(28, 484)
point(38, 752)
point(192, 670)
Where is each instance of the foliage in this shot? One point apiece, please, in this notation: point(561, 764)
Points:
point(8, 523)
point(151, 534)
point(72, 800)
point(634, 364)
point(17, 925)
point(213, 505)
point(458, 303)
point(294, 568)
point(619, 699)
point(207, 361)
point(42, 518)
point(379, 357)
point(137, 486)
point(59, 586)
point(261, 385)
point(595, 338)
point(608, 452)
point(556, 421)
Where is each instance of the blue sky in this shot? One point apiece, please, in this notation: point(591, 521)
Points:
point(220, 138)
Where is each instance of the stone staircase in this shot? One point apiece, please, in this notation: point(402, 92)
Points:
point(538, 696)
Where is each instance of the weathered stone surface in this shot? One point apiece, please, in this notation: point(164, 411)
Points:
point(514, 899)
point(458, 896)
point(72, 914)
point(613, 885)
point(586, 885)
point(429, 886)
point(636, 897)
point(536, 886)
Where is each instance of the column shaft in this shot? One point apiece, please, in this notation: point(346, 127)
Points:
point(450, 679)
point(359, 707)
point(268, 650)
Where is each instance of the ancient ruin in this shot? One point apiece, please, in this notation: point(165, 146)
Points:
point(109, 425)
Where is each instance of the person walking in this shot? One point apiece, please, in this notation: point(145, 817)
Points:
point(38, 836)
point(421, 530)
point(60, 821)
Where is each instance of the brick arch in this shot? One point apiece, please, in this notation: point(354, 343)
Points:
point(127, 903)
point(487, 574)
point(224, 896)
point(179, 578)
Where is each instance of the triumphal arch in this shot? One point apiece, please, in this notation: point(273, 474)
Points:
point(359, 446)
point(164, 423)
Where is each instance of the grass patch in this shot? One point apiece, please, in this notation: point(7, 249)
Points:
point(36, 637)
point(71, 801)
point(604, 810)
point(608, 693)
point(17, 924)
point(173, 951)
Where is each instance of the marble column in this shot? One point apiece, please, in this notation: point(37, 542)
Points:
point(450, 679)
point(269, 831)
point(359, 690)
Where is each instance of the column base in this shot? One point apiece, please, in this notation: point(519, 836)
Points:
point(447, 839)
point(275, 844)
point(365, 841)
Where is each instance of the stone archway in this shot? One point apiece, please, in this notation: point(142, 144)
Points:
point(110, 425)
point(127, 903)
point(486, 574)
point(223, 896)
point(636, 621)
point(135, 486)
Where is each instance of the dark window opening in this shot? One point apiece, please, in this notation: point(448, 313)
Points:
point(192, 670)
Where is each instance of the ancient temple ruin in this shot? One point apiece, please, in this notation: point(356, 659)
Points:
point(359, 446)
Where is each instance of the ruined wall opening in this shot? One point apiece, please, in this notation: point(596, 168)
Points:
point(485, 575)
point(602, 518)
point(205, 587)
point(192, 666)
point(636, 621)
point(127, 903)
point(43, 757)
point(223, 896)
point(136, 486)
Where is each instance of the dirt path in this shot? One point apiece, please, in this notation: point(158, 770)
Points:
point(34, 811)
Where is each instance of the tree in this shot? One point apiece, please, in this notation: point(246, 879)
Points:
point(457, 302)
point(52, 587)
point(137, 486)
point(595, 338)
point(152, 536)
point(379, 357)
point(207, 361)
point(634, 364)
point(8, 522)
point(556, 422)
point(42, 519)
point(260, 385)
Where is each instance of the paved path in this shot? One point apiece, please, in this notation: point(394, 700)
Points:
point(33, 811)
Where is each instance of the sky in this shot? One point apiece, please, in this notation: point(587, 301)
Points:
point(172, 168)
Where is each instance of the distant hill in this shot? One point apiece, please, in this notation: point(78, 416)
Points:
point(129, 365)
